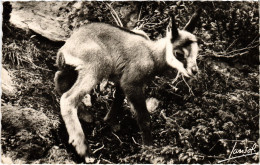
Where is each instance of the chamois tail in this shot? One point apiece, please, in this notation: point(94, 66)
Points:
point(66, 75)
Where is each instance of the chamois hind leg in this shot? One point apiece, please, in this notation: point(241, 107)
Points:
point(69, 103)
point(64, 80)
point(116, 105)
point(136, 99)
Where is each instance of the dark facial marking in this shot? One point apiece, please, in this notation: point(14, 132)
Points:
point(187, 43)
point(181, 58)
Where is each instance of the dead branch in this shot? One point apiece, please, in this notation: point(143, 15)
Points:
point(114, 15)
point(167, 119)
point(232, 44)
point(176, 78)
point(98, 149)
point(106, 161)
point(118, 138)
point(114, 18)
point(190, 90)
point(234, 53)
point(227, 54)
point(135, 141)
point(139, 15)
point(162, 113)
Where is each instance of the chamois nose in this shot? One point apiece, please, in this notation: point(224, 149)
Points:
point(194, 72)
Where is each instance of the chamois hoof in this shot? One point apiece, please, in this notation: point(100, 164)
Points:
point(89, 160)
point(78, 141)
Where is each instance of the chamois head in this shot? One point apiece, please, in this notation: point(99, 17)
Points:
point(182, 48)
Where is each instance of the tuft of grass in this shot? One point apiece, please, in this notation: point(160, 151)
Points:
point(19, 53)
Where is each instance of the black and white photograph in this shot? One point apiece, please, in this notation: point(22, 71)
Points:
point(130, 82)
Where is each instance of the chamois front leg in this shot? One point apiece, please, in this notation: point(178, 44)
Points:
point(116, 105)
point(136, 98)
point(69, 104)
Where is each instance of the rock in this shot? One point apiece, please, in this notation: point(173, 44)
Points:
point(152, 104)
point(56, 155)
point(26, 133)
point(6, 160)
point(56, 20)
point(7, 83)
point(45, 18)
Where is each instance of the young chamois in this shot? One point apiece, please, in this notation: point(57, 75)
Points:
point(100, 51)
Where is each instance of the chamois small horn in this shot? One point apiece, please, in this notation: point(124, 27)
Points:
point(174, 29)
point(190, 26)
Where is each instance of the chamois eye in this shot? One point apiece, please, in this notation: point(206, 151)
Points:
point(181, 58)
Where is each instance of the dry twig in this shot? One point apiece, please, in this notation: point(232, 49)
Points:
point(162, 113)
point(190, 90)
point(107, 161)
point(118, 138)
point(98, 149)
point(135, 141)
point(237, 52)
point(176, 78)
point(114, 15)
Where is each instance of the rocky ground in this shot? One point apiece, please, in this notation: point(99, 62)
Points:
point(197, 121)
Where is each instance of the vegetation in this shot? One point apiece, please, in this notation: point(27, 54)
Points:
point(197, 120)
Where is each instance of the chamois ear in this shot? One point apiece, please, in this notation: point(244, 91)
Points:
point(174, 30)
point(190, 26)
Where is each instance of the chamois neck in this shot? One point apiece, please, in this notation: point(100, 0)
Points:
point(158, 52)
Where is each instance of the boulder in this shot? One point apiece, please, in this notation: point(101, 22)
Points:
point(56, 20)
point(152, 104)
point(45, 18)
point(7, 83)
point(26, 133)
